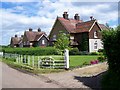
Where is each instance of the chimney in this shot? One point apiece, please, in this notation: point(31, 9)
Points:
point(21, 35)
point(76, 17)
point(91, 17)
point(15, 35)
point(65, 15)
point(30, 29)
point(39, 30)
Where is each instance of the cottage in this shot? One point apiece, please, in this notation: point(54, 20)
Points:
point(16, 41)
point(35, 38)
point(86, 36)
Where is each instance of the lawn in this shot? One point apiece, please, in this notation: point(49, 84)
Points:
point(80, 60)
point(75, 61)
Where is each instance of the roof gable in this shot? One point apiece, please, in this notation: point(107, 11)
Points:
point(33, 35)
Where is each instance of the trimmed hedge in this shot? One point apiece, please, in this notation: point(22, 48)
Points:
point(32, 51)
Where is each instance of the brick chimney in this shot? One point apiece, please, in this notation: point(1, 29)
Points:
point(91, 17)
point(30, 29)
point(65, 15)
point(22, 36)
point(39, 30)
point(15, 35)
point(76, 17)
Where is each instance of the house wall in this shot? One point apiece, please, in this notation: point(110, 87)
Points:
point(55, 30)
point(39, 43)
point(93, 40)
point(92, 45)
point(91, 33)
point(83, 41)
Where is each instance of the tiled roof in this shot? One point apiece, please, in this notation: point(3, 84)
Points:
point(103, 27)
point(84, 26)
point(33, 35)
point(69, 24)
point(75, 26)
point(16, 40)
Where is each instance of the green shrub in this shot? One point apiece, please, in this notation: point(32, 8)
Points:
point(101, 58)
point(94, 53)
point(32, 51)
point(74, 51)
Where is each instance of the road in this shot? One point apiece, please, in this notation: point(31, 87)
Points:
point(86, 77)
point(12, 78)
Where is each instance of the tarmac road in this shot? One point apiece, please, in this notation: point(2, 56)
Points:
point(12, 78)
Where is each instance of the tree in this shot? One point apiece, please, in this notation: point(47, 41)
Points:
point(62, 42)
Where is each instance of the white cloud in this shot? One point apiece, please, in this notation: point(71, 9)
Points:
point(14, 23)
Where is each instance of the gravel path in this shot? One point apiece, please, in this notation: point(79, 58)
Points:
point(86, 77)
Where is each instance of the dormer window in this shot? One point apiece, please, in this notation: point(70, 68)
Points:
point(54, 37)
point(95, 34)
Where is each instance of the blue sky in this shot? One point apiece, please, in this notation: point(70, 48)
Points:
point(16, 17)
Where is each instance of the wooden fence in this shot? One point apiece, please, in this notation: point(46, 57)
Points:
point(40, 61)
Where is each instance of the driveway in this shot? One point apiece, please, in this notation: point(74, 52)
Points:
point(86, 77)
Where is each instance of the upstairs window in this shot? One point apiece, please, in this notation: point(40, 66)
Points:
point(43, 42)
point(95, 34)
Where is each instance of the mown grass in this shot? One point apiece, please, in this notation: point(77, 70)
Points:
point(81, 60)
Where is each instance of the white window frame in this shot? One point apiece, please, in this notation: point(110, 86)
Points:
point(43, 42)
point(95, 45)
point(95, 34)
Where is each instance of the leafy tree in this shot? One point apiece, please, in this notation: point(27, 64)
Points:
point(62, 42)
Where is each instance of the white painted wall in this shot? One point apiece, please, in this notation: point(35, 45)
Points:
point(91, 45)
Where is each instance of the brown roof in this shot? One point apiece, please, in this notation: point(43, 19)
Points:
point(15, 40)
point(103, 27)
point(78, 26)
point(84, 26)
point(33, 35)
point(69, 24)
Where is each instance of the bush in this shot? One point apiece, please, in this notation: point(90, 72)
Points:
point(101, 58)
point(111, 43)
point(32, 51)
point(94, 53)
point(74, 51)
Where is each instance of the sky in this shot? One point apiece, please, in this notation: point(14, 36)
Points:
point(16, 16)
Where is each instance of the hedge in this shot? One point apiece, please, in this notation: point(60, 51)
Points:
point(111, 41)
point(32, 51)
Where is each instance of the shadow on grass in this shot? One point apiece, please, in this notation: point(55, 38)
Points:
point(93, 82)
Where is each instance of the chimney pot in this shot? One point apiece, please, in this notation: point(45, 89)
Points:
point(65, 15)
point(21, 35)
point(76, 17)
point(91, 17)
point(15, 35)
point(39, 30)
point(30, 29)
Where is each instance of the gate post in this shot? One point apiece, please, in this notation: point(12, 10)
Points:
point(66, 58)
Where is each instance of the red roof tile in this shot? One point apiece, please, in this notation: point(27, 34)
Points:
point(84, 26)
point(69, 24)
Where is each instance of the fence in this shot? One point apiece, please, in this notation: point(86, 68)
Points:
point(41, 61)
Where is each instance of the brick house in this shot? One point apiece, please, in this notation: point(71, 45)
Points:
point(35, 38)
point(86, 36)
point(16, 41)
